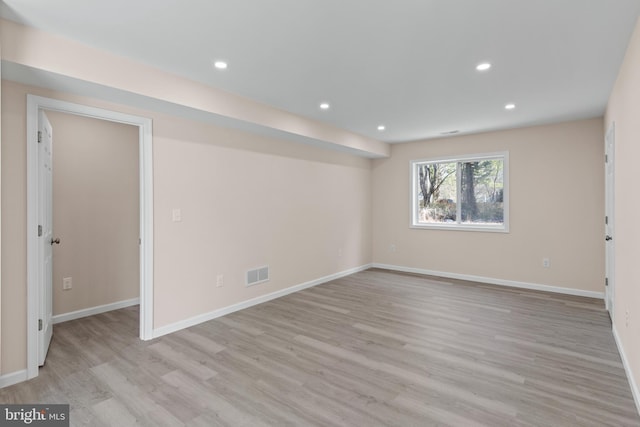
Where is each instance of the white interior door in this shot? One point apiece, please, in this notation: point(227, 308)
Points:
point(609, 219)
point(45, 233)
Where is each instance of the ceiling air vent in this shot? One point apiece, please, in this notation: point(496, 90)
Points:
point(258, 275)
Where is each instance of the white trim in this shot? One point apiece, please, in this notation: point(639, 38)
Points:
point(32, 238)
point(146, 230)
point(461, 227)
point(13, 378)
point(86, 312)
point(493, 281)
point(635, 390)
point(34, 104)
point(183, 324)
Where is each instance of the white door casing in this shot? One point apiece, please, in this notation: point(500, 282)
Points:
point(35, 286)
point(610, 219)
point(45, 233)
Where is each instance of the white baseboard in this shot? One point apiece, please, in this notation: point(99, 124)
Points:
point(65, 317)
point(492, 281)
point(183, 324)
point(13, 378)
point(635, 390)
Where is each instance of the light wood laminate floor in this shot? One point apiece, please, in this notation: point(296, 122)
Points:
point(377, 348)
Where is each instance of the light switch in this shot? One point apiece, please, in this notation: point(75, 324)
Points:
point(176, 215)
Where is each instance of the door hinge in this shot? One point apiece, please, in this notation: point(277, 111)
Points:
point(606, 281)
point(39, 231)
point(606, 220)
point(39, 324)
point(39, 136)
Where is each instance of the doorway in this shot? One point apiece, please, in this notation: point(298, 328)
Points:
point(96, 215)
point(36, 290)
point(610, 219)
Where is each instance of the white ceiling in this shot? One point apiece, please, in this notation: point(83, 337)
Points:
point(407, 64)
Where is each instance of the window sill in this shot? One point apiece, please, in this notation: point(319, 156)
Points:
point(459, 227)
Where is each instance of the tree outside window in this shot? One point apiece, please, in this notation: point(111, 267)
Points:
point(466, 192)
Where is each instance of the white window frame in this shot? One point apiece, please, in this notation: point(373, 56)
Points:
point(414, 191)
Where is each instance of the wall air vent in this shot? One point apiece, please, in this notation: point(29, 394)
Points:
point(258, 275)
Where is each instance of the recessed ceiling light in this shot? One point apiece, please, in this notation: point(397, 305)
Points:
point(220, 65)
point(510, 106)
point(483, 66)
point(381, 128)
point(324, 106)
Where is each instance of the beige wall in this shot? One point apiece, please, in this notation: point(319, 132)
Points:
point(246, 201)
point(556, 209)
point(624, 110)
point(95, 211)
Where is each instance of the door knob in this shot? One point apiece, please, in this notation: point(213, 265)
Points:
point(56, 241)
point(608, 238)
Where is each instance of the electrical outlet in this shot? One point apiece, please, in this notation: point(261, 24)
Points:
point(546, 263)
point(67, 283)
point(626, 318)
point(393, 248)
point(176, 215)
point(220, 281)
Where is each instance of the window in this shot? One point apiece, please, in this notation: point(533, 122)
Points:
point(462, 193)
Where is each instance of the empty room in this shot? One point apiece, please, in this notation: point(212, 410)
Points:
point(305, 213)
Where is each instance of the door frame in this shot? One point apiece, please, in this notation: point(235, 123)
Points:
point(609, 211)
point(45, 240)
point(35, 104)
